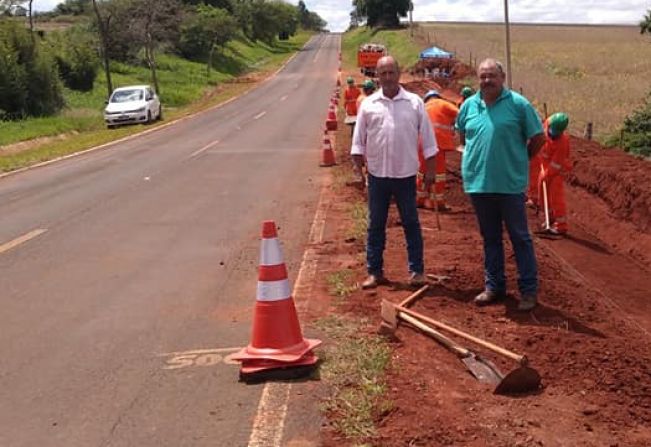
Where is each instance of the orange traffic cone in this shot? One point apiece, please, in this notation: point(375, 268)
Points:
point(331, 122)
point(327, 154)
point(276, 340)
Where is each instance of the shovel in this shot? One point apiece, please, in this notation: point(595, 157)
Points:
point(547, 230)
point(521, 380)
point(480, 368)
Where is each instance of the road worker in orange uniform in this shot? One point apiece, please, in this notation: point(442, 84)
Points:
point(442, 115)
point(350, 97)
point(554, 161)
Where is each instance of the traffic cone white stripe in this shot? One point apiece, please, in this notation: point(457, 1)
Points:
point(270, 252)
point(273, 290)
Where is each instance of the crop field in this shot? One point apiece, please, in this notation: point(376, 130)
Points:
point(597, 74)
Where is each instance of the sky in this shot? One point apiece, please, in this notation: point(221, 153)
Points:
point(337, 12)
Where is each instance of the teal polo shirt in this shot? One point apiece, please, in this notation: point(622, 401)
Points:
point(495, 158)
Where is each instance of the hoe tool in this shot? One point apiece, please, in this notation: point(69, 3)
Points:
point(521, 380)
point(547, 229)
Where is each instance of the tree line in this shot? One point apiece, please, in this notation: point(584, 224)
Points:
point(34, 66)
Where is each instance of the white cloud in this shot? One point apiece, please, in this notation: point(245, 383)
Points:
point(337, 12)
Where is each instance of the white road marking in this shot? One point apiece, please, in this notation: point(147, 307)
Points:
point(283, 98)
point(269, 422)
point(199, 357)
point(259, 115)
point(203, 149)
point(21, 240)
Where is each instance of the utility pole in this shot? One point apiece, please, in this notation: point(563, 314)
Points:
point(509, 79)
point(411, 19)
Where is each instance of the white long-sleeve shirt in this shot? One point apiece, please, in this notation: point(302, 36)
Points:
point(387, 131)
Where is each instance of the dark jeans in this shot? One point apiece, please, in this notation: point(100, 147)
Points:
point(380, 191)
point(492, 210)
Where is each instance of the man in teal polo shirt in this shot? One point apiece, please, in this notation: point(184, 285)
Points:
point(501, 131)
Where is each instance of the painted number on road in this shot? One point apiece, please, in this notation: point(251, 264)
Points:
point(199, 357)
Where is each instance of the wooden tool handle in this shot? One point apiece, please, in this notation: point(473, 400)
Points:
point(449, 344)
point(407, 301)
point(505, 352)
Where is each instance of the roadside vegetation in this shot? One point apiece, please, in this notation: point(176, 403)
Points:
point(53, 77)
point(354, 367)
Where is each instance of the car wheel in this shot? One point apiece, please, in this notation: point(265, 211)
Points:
point(148, 116)
point(160, 113)
point(110, 126)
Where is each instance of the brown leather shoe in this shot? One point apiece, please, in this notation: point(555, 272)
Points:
point(373, 281)
point(488, 297)
point(417, 280)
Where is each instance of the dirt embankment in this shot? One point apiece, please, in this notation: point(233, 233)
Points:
point(589, 338)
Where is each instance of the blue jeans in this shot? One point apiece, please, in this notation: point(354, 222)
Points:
point(380, 191)
point(492, 210)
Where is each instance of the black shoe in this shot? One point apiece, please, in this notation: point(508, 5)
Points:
point(527, 302)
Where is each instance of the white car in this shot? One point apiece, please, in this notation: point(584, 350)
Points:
point(134, 104)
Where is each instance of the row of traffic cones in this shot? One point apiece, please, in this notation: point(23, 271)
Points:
point(277, 349)
point(327, 153)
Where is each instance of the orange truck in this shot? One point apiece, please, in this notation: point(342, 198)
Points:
point(367, 57)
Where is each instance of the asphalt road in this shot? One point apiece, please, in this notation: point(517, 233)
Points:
point(127, 274)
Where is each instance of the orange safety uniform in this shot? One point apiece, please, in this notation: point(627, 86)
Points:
point(442, 114)
point(555, 160)
point(534, 172)
point(350, 100)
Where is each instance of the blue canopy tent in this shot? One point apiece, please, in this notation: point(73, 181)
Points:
point(435, 52)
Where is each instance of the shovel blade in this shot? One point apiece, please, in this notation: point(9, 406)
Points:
point(520, 380)
point(482, 369)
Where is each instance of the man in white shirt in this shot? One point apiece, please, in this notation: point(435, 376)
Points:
point(389, 124)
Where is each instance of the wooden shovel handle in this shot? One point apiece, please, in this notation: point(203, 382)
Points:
point(445, 341)
point(407, 301)
point(505, 352)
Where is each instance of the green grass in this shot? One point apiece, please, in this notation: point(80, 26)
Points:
point(354, 367)
point(359, 221)
point(341, 283)
point(184, 87)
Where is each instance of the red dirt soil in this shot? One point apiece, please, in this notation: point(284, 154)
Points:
point(589, 337)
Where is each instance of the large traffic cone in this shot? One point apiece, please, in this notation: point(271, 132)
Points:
point(327, 154)
point(276, 339)
point(331, 122)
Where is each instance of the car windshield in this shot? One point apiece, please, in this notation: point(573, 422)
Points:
point(127, 95)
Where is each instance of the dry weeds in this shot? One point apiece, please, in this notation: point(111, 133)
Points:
point(596, 74)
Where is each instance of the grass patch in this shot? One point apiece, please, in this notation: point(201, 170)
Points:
point(185, 88)
point(341, 283)
point(359, 221)
point(354, 367)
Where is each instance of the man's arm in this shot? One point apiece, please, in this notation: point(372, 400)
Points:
point(535, 143)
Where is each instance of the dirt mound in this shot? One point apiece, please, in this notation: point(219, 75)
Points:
point(622, 181)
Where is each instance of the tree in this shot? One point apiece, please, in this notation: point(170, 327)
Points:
point(155, 22)
point(645, 24)
point(73, 7)
point(203, 31)
point(102, 26)
point(381, 12)
point(29, 82)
